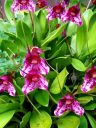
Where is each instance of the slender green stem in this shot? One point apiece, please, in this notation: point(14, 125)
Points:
point(57, 76)
point(33, 105)
point(88, 4)
point(52, 98)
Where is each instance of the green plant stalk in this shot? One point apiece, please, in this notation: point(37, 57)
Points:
point(33, 105)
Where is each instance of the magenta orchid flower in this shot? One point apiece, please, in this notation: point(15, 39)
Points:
point(23, 5)
point(33, 81)
point(68, 103)
point(89, 79)
point(42, 3)
point(33, 69)
point(6, 85)
point(33, 61)
point(73, 15)
point(56, 11)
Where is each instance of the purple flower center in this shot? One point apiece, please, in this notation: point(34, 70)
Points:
point(58, 9)
point(73, 11)
point(92, 72)
point(1, 81)
point(24, 2)
point(35, 60)
point(35, 78)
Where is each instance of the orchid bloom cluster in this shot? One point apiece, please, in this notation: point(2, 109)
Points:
point(27, 5)
point(89, 79)
point(33, 70)
point(6, 85)
point(68, 103)
point(60, 11)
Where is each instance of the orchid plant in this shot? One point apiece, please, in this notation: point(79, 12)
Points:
point(48, 64)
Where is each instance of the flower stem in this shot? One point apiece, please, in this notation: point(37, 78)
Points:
point(88, 4)
point(33, 105)
point(52, 98)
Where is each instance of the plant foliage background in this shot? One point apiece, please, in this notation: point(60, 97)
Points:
point(68, 56)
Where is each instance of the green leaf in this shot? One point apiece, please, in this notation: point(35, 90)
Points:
point(38, 29)
point(81, 38)
point(8, 106)
point(87, 16)
point(25, 120)
point(19, 91)
point(54, 34)
point(90, 106)
point(78, 65)
point(7, 9)
point(61, 62)
point(59, 82)
point(24, 33)
point(42, 97)
point(42, 120)
point(71, 29)
point(68, 121)
point(91, 120)
point(83, 122)
point(85, 99)
point(43, 22)
point(5, 118)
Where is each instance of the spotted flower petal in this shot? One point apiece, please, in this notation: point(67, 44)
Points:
point(6, 85)
point(56, 11)
point(68, 103)
point(89, 79)
point(73, 15)
point(33, 81)
point(34, 62)
point(23, 5)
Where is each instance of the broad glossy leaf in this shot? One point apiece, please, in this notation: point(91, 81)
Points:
point(42, 97)
point(24, 32)
point(54, 34)
point(19, 91)
point(85, 99)
point(83, 122)
point(91, 120)
point(8, 106)
point(6, 117)
point(87, 15)
point(59, 82)
point(81, 38)
point(69, 121)
point(43, 22)
point(42, 120)
point(8, 12)
point(25, 119)
point(90, 106)
point(78, 65)
point(71, 29)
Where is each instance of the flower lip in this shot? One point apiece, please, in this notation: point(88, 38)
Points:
point(35, 77)
point(35, 59)
point(23, 1)
point(58, 8)
point(74, 10)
